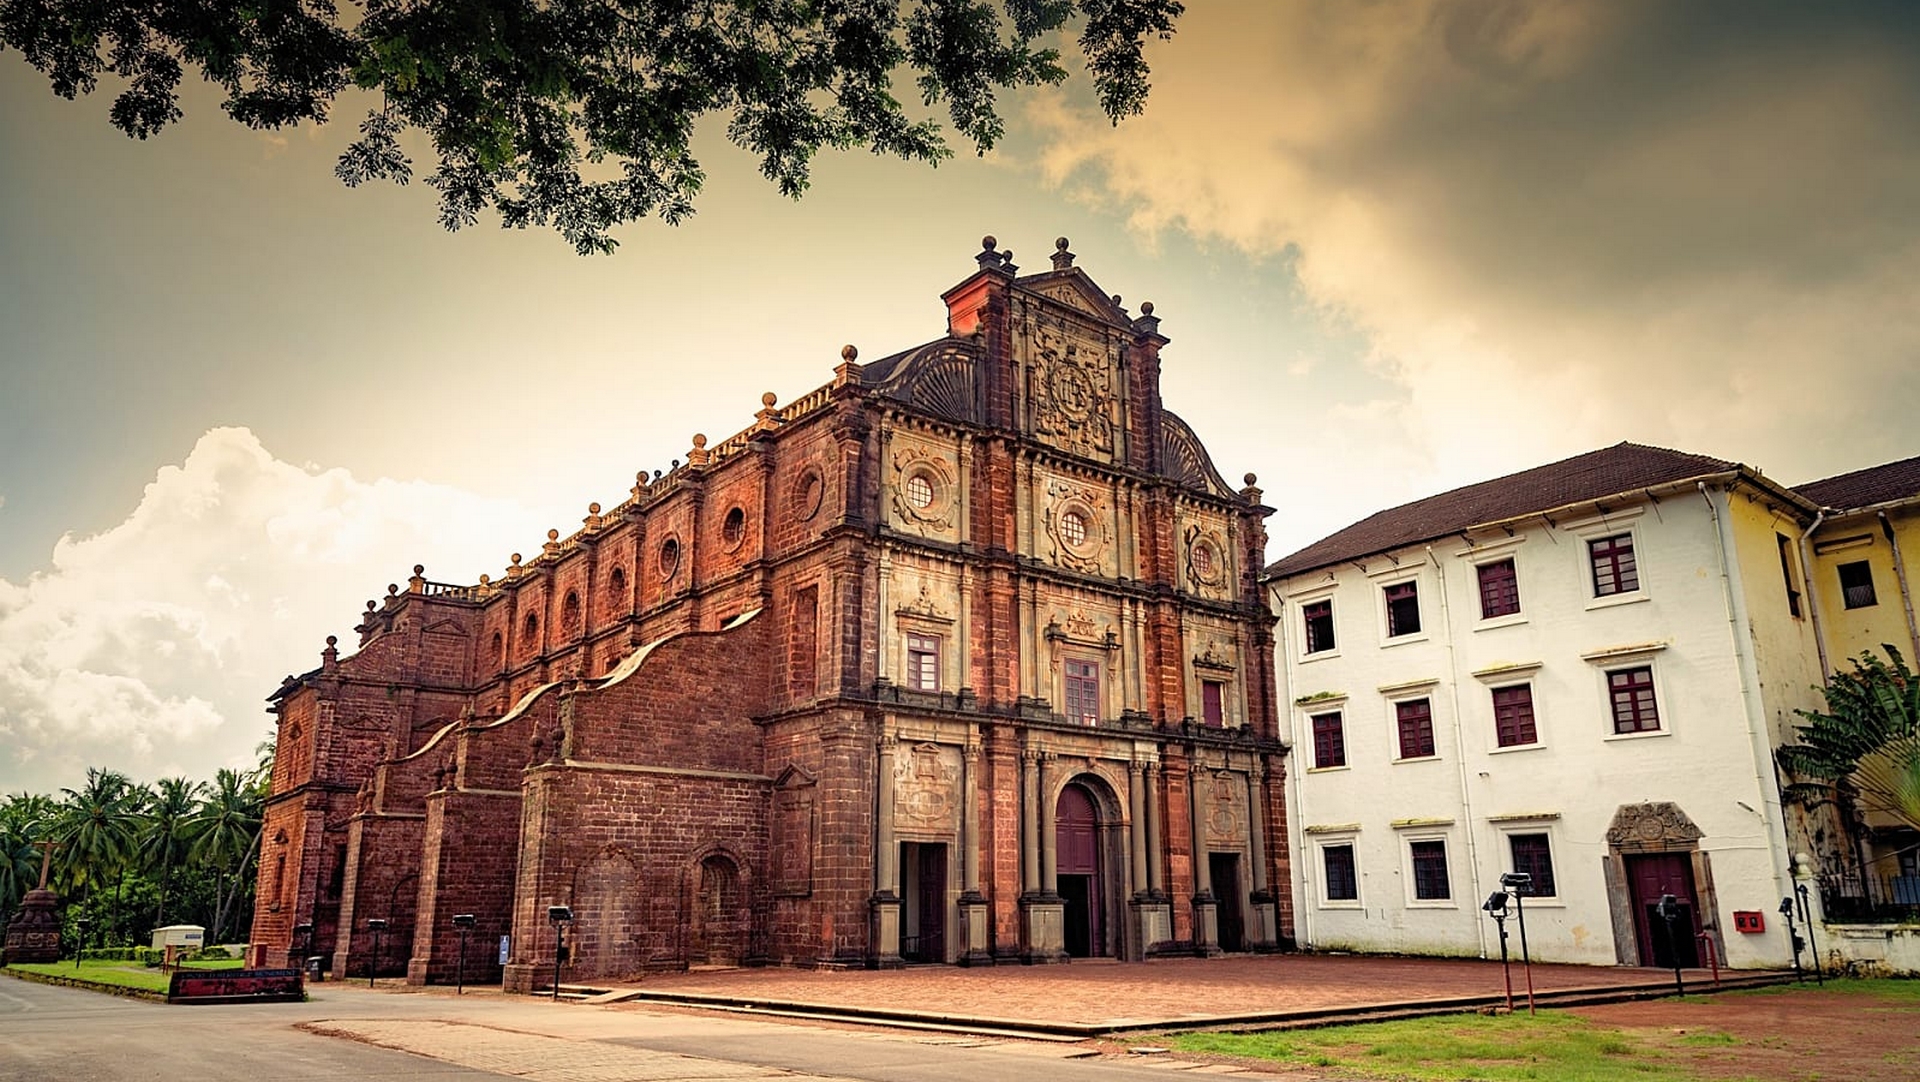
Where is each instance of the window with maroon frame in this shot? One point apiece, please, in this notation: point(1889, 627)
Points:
point(1786, 573)
point(1532, 855)
point(1416, 728)
point(1513, 716)
point(1213, 710)
point(1319, 625)
point(1342, 884)
point(1634, 710)
point(923, 662)
point(1083, 691)
point(1329, 741)
point(1614, 570)
point(1403, 609)
point(1499, 590)
point(1430, 871)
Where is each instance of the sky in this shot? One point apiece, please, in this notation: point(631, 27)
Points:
point(1398, 247)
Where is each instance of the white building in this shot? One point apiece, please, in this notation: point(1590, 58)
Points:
point(1579, 671)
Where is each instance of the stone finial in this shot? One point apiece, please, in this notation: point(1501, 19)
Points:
point(418, 582)
point(1062, 259)
point(592, 521)
point(768, 417)
point(485, 581)
point(1006, 262)
point(593, 508)
point(847, 372)
point(699, 456)
point(639, 488)
point(393, 589)
point(768, 399)
point(1148, 323)
point(1251, 493)
point(1251, 479)
point(1146, 308)
point(371, 605)
point(990, 257)
point(331, 654)
point(552, 546)
point(514, 570)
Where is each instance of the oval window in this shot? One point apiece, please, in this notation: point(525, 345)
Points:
point(1073, 528)
point(734, 529)
point(669, 558)
point(920, 491)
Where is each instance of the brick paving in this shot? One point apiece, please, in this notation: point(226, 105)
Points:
point(538, 1057)
point(1165, 990)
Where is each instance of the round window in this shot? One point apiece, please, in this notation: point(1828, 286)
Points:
point(1203, 560)
point(920, 491)
point(669, 558)
point(734, 529)
point(1073, 528)
point(812, 489)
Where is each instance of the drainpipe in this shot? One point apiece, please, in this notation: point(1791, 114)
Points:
point(1813, 596)
point(1900, 574)
point(1460, 748)
point(1762, 744)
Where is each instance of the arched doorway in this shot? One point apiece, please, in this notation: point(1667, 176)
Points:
point(1079, 866)
point(718, 920)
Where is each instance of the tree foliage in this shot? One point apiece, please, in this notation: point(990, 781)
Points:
point(1864, 749)
point(579, 115)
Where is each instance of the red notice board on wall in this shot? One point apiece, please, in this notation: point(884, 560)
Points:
point(1749, 920)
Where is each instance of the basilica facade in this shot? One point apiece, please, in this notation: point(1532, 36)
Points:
point(959, 658)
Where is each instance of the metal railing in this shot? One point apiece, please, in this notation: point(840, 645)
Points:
point(1871, 899)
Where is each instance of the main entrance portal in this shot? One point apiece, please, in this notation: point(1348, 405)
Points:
point(1079, 874)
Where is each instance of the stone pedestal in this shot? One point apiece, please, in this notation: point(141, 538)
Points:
point(976, 930)
point(1045, 918)
point(1263, 928)
point(1152, 924)
point(883, 931)
point(1206, 925)
point(33, 935)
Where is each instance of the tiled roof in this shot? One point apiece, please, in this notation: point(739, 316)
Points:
point(1610, 471)
point(1864, 488)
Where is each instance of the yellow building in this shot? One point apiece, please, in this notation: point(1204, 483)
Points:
point(1862, 551)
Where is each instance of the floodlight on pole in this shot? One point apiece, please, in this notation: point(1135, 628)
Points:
point(464, 922)
point(560, 916)
point(379, 929)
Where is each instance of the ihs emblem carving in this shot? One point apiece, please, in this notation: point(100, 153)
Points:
point(1073, 386)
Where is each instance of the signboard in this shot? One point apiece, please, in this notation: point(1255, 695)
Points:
point(235, 986)
point(504, 941)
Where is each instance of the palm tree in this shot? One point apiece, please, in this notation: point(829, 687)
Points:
point(1864, 750)
point(97, 826)
point(24, 819)
point(165, 830)
point(226, 836)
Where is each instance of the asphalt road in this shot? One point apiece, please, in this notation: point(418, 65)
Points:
point(60, 1034)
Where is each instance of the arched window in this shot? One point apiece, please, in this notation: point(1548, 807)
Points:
point(570, 615)
point(530, 633)
point(617, 589)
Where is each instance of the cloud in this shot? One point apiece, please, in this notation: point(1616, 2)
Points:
point(149, 647)
point(1557, 225)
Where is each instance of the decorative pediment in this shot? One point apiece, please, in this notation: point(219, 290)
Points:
point(445, 627)
point(1654, 826)
point(1216, 656)
point(924, 607)
point(794, 776)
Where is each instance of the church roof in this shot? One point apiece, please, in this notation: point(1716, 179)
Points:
point(1624, 468)
point(1864, 488)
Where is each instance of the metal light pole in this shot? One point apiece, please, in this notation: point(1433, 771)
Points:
point(1669, 910)
point(300, 946)
point(1521, 884)
point(1496, 907)
point(1813, 942)
point(379, 928)
point(560, 916)
point(464, 922)
point(79, 940)
point(1793, 937)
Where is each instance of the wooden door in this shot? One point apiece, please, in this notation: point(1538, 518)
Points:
point(1078, 866)
point(1224, 868)
point(933, 903)
point(1649, 876)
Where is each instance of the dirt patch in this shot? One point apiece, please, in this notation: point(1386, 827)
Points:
point(1831, 1035)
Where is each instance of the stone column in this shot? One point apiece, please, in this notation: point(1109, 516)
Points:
point(1049, 829)
point(1137, 808)
point(976, 918)
point(1264, 935)
point(884, 931)
point(1156, 844)
point(1030, 822)
point(1206, 909)
point(1041, 905)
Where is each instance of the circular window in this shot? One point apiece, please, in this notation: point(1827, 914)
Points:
point(920, 491)
point(669, 558)
point(1073, 528)
point(734, 529)
point(1203, 561)
point(808, 494)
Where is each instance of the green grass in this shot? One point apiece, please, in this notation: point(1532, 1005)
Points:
point(1551, 1047)
point(118, 974)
